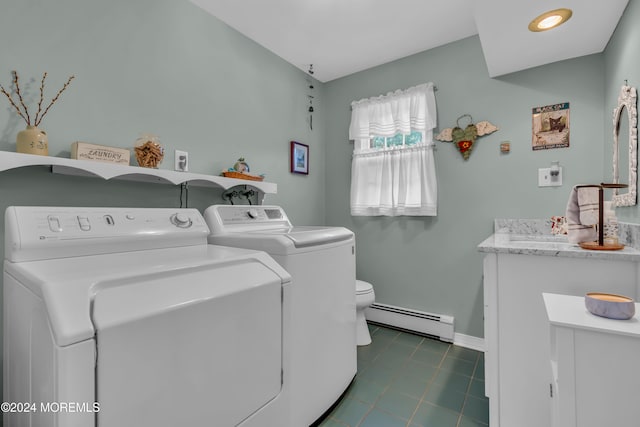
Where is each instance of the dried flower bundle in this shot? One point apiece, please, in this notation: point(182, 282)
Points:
point(24, 111)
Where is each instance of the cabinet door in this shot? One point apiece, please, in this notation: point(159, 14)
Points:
point(491, 337)
point(562, 387)
point(606, 379)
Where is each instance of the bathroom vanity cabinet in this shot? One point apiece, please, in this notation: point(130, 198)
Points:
point(516, 329)
point(593, 361)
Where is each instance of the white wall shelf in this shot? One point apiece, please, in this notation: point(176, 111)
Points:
point(9, 160)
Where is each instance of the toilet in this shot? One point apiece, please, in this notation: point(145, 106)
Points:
point(364, 298)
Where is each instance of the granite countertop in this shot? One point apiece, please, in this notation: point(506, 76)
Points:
point(525, 245)
point(530, 237)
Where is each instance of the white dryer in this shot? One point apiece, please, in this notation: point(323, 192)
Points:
point(118, 317)
point(321, 261)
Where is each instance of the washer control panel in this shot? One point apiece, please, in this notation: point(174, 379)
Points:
point(69, 222)
point(249, 214)
point(223, 218)
point(92, 230)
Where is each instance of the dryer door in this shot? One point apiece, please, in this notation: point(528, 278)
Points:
point(190, 347)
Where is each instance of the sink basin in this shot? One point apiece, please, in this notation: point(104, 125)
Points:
point(541, 244)
point(545, 238)
point(533, 241)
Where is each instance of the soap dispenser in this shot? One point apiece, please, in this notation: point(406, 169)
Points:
point(610, 225)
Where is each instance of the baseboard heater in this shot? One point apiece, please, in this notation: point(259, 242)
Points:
point(432, 325)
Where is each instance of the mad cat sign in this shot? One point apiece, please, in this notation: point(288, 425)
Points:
point(550, 126)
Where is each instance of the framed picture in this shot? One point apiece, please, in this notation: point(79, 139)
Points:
point(550, 126)
point(299, 158)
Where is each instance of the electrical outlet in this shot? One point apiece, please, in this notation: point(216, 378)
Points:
point(181, 161)
point(546, 179)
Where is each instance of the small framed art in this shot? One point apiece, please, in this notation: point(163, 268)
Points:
point(299, 158)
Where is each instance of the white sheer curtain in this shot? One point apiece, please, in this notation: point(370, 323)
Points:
point(399, 179)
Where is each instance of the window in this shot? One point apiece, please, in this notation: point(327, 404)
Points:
point(398, 140)
point(393, 168)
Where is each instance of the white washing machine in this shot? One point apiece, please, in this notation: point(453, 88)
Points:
point(119, 317)
point(321, 261)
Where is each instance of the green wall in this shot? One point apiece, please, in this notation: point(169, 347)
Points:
point(432, 264)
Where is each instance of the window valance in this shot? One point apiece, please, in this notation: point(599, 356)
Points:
point(398, 112)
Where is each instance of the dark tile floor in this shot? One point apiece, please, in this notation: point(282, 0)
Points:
point(406, 380)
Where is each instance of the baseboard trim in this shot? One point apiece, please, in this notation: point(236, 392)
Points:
point(419, 322)
point(468, 341)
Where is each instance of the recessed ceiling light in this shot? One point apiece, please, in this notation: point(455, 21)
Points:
point(549, 20)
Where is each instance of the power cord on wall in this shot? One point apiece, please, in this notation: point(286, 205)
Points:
point(184, 194)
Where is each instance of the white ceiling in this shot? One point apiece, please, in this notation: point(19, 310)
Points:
point(341, 37)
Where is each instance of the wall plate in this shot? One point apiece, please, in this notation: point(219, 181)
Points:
point(181, 161)
point(545, 179)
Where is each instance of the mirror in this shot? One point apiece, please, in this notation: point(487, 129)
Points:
point(625, 156)
point(622, 130)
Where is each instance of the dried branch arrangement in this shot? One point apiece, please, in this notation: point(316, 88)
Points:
point(21, 107)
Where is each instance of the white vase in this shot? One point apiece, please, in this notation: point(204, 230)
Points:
point(32, 141)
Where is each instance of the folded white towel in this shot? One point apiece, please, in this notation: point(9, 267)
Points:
point(588, 204)
point(578, 232)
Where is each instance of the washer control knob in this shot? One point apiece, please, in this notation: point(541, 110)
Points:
point(181, 220)
point(253, 213)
